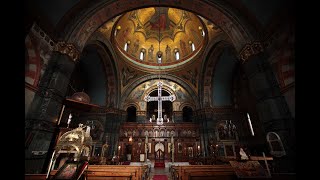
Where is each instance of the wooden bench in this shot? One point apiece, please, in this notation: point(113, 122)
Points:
point(202, 172)
point(35, 176)
point(95, 172)
point(120, 171)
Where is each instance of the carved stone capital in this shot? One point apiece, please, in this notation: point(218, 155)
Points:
point(250, 50)
point(68, 49)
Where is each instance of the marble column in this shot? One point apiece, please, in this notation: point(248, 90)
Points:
point(205, 119)
point(113, 119)
point(172, 149)
point(146, 148)
point(272, 108)
point(41, 121)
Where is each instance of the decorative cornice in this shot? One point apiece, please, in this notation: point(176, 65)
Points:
point(250, 50)
point(68, 49)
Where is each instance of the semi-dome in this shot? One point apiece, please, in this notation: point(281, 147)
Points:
point(137, 35)
point(81, 97)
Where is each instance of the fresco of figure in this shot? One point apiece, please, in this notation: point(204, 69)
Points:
point(160, 19)
point(150, 53)
point(168, 53)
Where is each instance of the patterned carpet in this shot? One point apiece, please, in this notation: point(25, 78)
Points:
point(159, 165)
point(160, 177)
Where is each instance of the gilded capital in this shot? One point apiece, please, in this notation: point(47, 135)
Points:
point(250, 50)
point(68, 49)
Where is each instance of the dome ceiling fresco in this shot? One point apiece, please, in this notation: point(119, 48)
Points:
point(137, 35)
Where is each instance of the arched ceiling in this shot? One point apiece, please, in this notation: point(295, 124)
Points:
point(161, 30)
point(53, 11)
point(140, 23)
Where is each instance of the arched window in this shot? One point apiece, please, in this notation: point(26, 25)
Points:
point(126, 46)
point(250, 125)
point(193, 48)
point(131, 114)
point(116, 30)
point(187, 114)
point(159, 57)
point(202, 31)
point(275, 144)
point(142, 54)
point(176, 53)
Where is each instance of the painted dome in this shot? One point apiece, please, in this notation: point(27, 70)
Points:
point(137, 35)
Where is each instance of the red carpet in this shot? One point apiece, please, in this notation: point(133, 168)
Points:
point(160, 177)
point(159, 165)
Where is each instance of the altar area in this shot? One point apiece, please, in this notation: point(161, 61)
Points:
point(159, 141)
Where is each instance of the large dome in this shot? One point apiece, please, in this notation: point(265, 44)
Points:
point(137, 35)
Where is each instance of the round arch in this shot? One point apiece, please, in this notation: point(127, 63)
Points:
point(110, 70)
point(32, 55)
point(155, 87)
point(134, 104)
point(209, 66)
point(187, 105)
point(175, 79)
point(187, 113)
point(131, 114)
point(224, 14)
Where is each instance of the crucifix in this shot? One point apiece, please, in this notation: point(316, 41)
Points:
point(160, 98)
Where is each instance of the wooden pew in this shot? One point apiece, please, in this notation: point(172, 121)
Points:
point(35, 176)
point(178, 170)
point(202, 172)
point(98, 172)
point(95, 172)
point(126, 171)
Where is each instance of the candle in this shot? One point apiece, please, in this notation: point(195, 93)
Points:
point(69, 120)
point(88, 131)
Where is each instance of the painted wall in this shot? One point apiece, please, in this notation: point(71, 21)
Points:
point(222, 79)
point(93, 77)
point(53, 9)
point(28, 98)
point(263, 10)
point(290, 98)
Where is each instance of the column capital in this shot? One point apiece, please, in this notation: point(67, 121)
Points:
point(68, 49)
point(249, 50)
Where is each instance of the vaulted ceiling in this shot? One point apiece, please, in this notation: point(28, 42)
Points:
point(207, 34)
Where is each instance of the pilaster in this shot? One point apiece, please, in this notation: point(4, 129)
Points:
point(41, 121)
point(273, 111)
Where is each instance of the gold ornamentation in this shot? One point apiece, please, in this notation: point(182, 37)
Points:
point(68, 49)
point(249, 50)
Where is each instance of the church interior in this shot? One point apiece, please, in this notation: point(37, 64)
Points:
point(142, 89)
